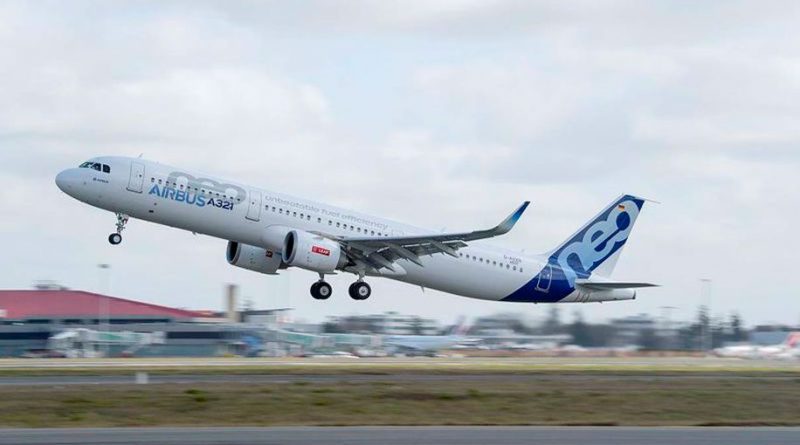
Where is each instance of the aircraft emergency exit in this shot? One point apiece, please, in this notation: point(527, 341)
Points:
point(268, 232)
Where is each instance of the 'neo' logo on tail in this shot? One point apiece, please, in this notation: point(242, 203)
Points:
point(598, 241)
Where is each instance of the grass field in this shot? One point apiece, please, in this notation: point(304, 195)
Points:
point(682, 400)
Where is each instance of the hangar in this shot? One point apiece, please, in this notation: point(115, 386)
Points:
point(30, 318)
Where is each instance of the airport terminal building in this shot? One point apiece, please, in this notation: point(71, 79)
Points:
point(88, 323)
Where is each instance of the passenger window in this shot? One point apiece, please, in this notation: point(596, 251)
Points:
point(308, 217)
point(301, 216)
point(330, 222)
point(337, 224)
point(159, 181)
point(515, 267)
point(280, 211)
point(319, 220)
point(294, 214)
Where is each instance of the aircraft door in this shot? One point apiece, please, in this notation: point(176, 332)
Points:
point(254, 209)
point(136, 180)
point(545, 277)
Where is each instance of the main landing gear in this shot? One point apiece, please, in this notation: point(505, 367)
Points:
point(116, 237)
point(360, 290)
point(321, 290)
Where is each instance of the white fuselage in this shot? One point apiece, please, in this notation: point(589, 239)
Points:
point(237, 212)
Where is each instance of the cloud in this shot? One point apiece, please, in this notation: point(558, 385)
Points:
point(435, 113)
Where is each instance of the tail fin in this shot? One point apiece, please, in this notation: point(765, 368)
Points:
point(460, 328)
point(596, 247)
point(792, 340)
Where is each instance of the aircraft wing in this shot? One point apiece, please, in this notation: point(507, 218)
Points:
point(382, 252)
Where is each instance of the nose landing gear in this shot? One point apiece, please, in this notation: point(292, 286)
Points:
point(116, 238)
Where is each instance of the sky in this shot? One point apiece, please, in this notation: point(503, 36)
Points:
point(443, 114)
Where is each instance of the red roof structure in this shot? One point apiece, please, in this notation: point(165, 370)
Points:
point(22, 304)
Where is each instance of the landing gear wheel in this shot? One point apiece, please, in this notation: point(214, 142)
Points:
point(360, 290)
point(321, 290)
point(116, 238)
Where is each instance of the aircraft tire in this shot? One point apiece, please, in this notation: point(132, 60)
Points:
point(360, 290)
point(115, 238)
point(321, 290)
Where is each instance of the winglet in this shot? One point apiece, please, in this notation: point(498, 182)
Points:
point(508, 223)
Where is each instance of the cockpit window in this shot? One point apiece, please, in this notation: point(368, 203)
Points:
point(96, 166)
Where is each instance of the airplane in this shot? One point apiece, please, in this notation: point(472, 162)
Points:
point(269, 231)
point(788, 349)
point(428, 344)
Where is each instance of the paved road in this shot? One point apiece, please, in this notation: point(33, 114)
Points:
point(188, 379)
point(403, 435)
point(454, 362)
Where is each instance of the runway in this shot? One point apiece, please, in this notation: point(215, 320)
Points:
point(699, 363)
point(278, 379)
point(402, 435)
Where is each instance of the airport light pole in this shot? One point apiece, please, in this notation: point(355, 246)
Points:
point(705, 294)
point(666, 325)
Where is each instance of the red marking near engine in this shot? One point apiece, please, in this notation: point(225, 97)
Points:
point(321, 250)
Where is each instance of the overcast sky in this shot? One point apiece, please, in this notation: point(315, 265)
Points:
point(440, 114)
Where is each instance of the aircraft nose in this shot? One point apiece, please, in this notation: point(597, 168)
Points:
point(66, 180)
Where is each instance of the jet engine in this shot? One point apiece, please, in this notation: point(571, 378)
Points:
point(273, 237)
point(253, 258)
point(313, 252)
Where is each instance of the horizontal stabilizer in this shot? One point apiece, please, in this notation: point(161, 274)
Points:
point(609, 285)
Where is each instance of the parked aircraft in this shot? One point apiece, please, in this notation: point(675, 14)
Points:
point(788, 349)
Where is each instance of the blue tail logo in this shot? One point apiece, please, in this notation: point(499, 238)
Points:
point(598, 240)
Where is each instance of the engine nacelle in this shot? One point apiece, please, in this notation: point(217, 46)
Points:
point(253, 258)
point(313, 252)
point(273, 237)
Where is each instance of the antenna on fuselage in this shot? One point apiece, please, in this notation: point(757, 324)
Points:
point(140, 155)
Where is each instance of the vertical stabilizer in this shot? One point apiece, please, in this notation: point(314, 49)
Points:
point(596, 247)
